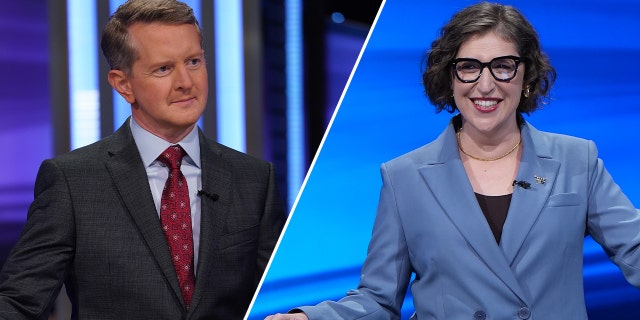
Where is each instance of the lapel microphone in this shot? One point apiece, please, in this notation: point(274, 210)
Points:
point(522, 184)
point(209, 195)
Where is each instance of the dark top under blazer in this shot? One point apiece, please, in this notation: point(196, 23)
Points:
point(93, 224)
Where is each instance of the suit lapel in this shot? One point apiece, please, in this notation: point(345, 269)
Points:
point(449, 184)
point(130, 178)
point(216, 182)
point(527, 204)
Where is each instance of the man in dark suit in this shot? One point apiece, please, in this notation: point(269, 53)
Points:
point(106, 218)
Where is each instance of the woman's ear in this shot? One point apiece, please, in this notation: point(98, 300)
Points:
point(119, 80)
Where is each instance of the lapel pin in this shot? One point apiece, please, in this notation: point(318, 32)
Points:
point(540, 180)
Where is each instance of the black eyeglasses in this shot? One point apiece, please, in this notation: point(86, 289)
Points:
point(469, 70)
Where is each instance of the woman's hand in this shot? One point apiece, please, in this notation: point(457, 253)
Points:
point(287, 316)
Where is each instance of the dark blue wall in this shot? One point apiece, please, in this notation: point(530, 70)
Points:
point(25, 119)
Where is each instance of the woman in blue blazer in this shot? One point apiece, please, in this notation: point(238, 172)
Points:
point(492, 215)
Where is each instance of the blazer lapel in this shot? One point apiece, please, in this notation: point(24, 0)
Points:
point(449, 184)
point(527, 204)
point(215, 206)
point(130, 178)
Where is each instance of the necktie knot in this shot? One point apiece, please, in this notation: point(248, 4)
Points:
point(172, 156)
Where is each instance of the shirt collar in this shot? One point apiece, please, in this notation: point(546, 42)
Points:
point(151, 146)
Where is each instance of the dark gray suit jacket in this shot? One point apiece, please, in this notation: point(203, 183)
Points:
point(93, 225)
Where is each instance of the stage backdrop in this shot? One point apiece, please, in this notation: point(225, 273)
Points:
point(25, 111)
point(594, 46)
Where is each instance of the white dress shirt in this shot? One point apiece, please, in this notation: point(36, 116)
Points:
point(150, 147)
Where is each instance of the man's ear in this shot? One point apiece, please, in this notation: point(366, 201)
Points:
point(119, 80)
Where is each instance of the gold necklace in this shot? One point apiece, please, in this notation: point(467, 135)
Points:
point(486, 159)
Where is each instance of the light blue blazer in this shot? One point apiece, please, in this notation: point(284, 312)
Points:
point(429, 223)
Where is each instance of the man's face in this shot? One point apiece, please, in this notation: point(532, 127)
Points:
point(168, 79)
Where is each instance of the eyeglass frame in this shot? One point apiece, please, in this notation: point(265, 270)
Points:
point(516, 59)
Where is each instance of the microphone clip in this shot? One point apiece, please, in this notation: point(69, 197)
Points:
point(211, 196)
point(522, 184)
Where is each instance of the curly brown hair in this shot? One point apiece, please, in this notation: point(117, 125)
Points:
point(478, 19)
point(116, 47)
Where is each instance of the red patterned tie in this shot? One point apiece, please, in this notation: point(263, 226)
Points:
point(175, 216)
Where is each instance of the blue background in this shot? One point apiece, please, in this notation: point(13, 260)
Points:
point(594, 46)
point(25, 111)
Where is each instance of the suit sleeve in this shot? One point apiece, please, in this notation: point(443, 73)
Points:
point(271, 223)
point(613, 221)
point(34, 272)
point(386, 271)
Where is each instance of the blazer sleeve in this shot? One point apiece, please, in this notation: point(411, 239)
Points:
point(271, 223)
point(613, 221)
point(34, 272)
point(386, 271)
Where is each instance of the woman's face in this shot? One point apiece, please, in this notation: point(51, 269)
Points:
point(487, 105)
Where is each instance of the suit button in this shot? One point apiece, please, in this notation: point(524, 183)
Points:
point(524, 313)
point(479, 315)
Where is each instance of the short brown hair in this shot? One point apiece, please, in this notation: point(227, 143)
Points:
point(117, 48)
point(478, 19)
